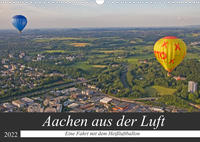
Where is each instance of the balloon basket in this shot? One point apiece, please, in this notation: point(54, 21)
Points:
point(168, 74)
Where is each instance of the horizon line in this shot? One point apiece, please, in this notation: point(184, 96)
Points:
point(153, 27)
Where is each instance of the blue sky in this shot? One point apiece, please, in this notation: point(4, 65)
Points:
point(76, 15)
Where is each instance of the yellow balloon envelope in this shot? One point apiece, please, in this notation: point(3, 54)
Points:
point(170, 52)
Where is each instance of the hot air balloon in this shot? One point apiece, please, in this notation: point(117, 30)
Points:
point(19, 22)
point(170, 52)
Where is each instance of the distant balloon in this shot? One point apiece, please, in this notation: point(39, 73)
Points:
point(170, 52)
point(19, 22)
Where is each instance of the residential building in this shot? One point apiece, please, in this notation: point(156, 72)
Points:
point(52, 101)
point(179, 78)
point(87, 92)
point(50, 109)
point(69, 101)
point(8, 105)
point(76, 96)
point(192, 87)
point(35, 107)
point(92, 86)
point(70, 58)
point(106, 100)
point(2, 108)
point(154, 109)
point(73, 105)
point(21, 55)
point(87, 106)
point(27, 101)
point(58, 107)
point(46, 102)
point(18, 103)
point(121, 107)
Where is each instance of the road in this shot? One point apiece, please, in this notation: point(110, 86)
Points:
point(123, 77)
point(43, 91)
point(67, 85)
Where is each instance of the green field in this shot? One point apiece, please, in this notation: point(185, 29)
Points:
point(54, 51)
point(63, 39)
point(99, 66)
point(83, 65)
point(192, 56)
point(80, 44)
point(132, 60)
point(150, 91)
point(112, 51)
point(163, 90)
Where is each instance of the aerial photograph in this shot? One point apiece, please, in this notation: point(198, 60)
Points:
point(99, 56)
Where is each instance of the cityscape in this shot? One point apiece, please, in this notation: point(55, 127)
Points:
point(95, 70)
point(75, 100)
